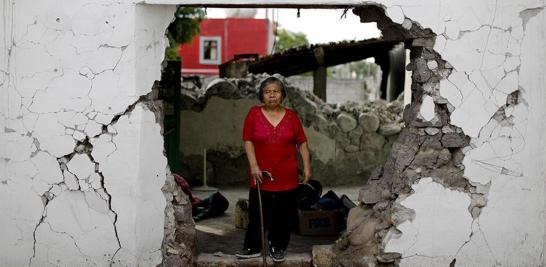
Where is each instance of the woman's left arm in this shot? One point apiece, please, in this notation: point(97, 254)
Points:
point(304, 151)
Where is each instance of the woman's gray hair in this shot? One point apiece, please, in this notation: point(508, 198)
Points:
point(267, 81)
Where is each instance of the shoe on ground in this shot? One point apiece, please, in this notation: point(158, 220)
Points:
point(277, 254)
point(248, 253)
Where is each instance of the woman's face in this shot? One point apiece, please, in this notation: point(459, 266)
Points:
point(272, 95)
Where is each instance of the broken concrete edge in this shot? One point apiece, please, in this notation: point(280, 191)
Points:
point(428, 146)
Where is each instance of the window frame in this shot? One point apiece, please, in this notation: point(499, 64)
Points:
point(202, 60)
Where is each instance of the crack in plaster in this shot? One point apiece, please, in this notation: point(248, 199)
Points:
point(69, 235)
point(501, 117)
point(527, 14)
point(44, 214)
point(84, 147)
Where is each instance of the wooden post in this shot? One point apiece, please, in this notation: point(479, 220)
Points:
point(319, 74)
point(319, 82)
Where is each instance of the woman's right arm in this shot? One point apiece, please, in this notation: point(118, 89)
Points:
point(255, 170)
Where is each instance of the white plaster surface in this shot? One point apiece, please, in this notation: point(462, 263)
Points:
point(495, 49)
point(65, 72)
point(67, 69)
point(427, 108)
point(433, 236)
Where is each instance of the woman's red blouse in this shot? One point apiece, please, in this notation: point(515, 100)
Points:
point(275, 147)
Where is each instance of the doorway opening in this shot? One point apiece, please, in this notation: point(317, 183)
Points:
point(353, 141)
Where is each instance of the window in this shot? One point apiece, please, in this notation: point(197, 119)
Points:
point(210, 50)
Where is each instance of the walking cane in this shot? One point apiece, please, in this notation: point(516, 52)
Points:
point(264, 175)
point(261, 223)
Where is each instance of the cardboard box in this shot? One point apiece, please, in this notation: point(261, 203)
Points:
point(318, 222)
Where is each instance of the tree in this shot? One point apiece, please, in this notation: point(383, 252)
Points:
point(287, 39)
point(186, 24)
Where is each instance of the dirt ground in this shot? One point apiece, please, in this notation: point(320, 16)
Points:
point(219, 235)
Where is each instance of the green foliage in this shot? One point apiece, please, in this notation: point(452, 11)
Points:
point(287, 39)
point(186, 24)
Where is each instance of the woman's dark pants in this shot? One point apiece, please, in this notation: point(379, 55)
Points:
point(279, 210)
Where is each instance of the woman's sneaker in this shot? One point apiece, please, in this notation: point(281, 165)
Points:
point(248, 253)
point(277, 254)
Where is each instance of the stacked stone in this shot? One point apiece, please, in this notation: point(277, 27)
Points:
point(180, 234)
point(363, 133)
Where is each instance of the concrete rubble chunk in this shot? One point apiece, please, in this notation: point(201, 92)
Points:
point(455, 140)
point(369, 122)
point(432, 130)
point(447, 129)
point(181, 214)
point(323, 255)
point(388, 257)
point(346, 122)
point(402, 214)
point(426, 158)
point(443, 157)
point(173, 260)
point(381, 206)
point(365, 232)
point(370, 194)
point(404, 154)
point(432, 64)
point(424, 42)
point(390, 129)
point(356, 216)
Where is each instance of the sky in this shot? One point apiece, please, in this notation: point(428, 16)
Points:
point(320, 25)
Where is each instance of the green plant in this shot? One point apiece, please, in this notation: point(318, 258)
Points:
point(287, 39)
point(186, 24)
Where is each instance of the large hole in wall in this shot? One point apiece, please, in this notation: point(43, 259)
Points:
point(351, 143)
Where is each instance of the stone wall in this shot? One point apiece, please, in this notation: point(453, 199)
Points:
point(347, 141)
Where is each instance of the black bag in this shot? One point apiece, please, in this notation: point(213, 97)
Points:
point(212, 206)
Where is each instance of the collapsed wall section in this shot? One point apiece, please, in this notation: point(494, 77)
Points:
point(347, 141)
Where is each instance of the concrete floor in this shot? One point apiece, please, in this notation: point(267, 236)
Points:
point(219, 235)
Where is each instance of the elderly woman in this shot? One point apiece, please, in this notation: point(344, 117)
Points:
point(272, 137)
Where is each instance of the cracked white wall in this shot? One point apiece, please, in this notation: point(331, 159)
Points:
point(76, 186)
point(68, 68)
point(495, 48)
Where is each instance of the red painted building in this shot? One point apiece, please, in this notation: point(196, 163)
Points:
point(221, 39)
